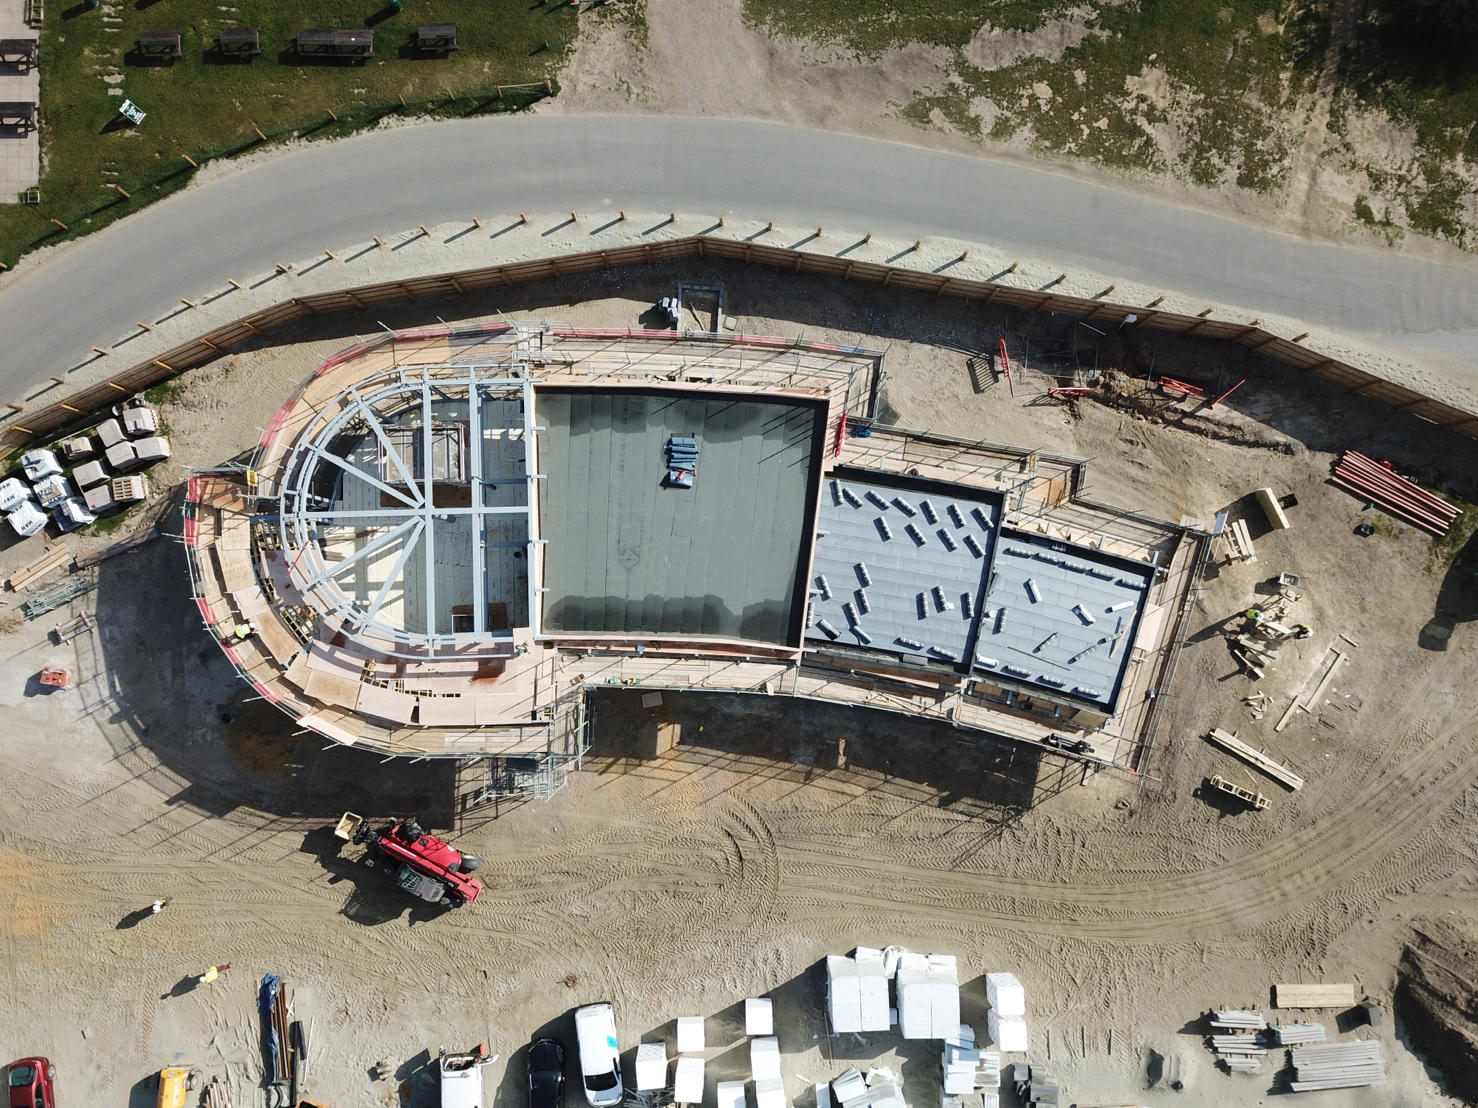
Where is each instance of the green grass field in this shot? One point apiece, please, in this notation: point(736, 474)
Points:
point(202, 108)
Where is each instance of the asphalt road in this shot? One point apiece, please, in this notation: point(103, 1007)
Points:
point(341, 193)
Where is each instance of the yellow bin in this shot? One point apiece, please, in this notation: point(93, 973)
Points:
point(175, 1085)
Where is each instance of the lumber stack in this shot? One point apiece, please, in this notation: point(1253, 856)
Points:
point(1237, 1063)
point(1236, 1019)
point(1319, 995)
point(1402, 498)
point(1337, 1066)
point(1299, 1034)
point(1237, 1044)
point(1257, 759)
point(55, 556)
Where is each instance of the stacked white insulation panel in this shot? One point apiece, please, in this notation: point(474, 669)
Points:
point(928, 996)
point(1299, 1034)
point(968, 1070)
point(1006, 1021)
point(1241, 1063)
point(1337, 1066)
point(857, 992)
point(872, 985)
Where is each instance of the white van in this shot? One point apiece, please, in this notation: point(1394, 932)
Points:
point(600, 1055)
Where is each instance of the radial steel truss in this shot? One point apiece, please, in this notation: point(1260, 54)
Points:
point(409, 420)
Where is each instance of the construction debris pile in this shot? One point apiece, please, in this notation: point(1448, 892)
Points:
point(1035, 1086)
point(1400, 496)
point(1239, 1046)
point(1241, 1039)
point(1256, 636)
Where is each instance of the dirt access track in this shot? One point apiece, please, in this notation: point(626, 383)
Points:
point(774, 831)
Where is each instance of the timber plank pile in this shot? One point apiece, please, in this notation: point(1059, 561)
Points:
point(1236, 1019)
point(1337, 1066)
point(1341, 995)
point(1256, 758)
point(1299, 1034)
point(1403, 498)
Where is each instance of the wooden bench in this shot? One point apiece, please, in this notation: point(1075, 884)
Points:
point(240, 42)
point(331, 42)
point(436, 38)
point(160, 44)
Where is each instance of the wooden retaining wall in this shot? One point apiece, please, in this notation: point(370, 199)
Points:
point(43, 422)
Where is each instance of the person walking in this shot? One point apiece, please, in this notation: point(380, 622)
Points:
point(158, 906)
point(215, 971)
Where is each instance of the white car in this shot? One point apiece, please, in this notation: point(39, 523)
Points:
point(600, 1055)
point(72, 513)
point(27, 519)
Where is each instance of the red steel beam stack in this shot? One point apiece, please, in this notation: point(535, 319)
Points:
point(1402, 498)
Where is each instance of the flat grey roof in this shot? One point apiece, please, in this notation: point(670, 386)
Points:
point(1060, 617)
point(880, 559)
point(624, 554)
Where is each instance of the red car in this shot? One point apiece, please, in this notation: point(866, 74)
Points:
point(31, 1083)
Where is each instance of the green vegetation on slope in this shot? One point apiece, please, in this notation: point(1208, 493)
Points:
point(1215, 92)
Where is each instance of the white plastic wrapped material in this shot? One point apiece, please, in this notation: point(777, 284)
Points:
point(690, 1035)
point(769, 1092)
point(1007, 1032)
point(730, 1094)
point(843, 994)
point(928, 997)
point(764, 1058)
point(872, 985)
point(687, 1085)
point(651, 1066)
point(13, 493)
point(891, 954)
point(850, 1088)
point(759, 1016)
point(1005, 994)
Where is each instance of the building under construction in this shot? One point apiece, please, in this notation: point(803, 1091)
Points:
point(448, 536)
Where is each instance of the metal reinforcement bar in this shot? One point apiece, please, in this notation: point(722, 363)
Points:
point(44, 421)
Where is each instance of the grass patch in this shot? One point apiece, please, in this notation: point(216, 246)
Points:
point(873, 26)
point(169, 392)
point(110, 525)
point(204, 108)
point(1444, 551)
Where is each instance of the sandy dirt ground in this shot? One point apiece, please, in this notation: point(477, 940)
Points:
point(775, 832)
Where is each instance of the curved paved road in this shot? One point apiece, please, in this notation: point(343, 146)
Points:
point(384, 182)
